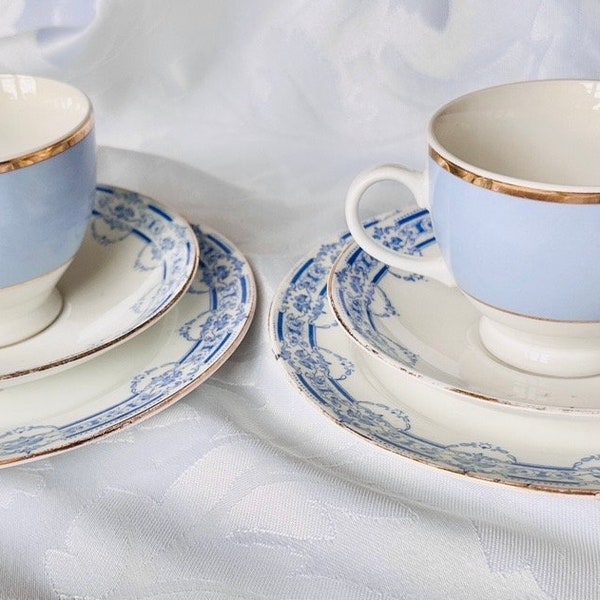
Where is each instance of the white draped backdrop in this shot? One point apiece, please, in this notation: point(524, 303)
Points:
point(253, 116)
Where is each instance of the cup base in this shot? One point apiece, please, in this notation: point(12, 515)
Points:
point(540, 346)
point(26, 309)
point(24, 326)
point(573, 355)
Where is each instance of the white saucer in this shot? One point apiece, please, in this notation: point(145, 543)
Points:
point(141, 376)
point(517, 445)
point(137, 260)
point(429, 330)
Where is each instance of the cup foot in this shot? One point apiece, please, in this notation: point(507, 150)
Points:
point(26, 325)
point(28, 308)
point(563, 355)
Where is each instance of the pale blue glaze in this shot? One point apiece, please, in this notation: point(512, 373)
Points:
point(45, 211)
point(526, 256)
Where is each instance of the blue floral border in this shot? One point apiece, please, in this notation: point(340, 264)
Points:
point(226, 280)
point(167, 248)
point(300, 312)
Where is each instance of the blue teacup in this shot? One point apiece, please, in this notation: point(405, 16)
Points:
point(47, 187)
point(513, 187)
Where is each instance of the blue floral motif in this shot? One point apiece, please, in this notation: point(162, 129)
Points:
point(206, 345)
point(123, 212)
point(25, 440)
point(224, 279)
point(376, 416)
point(404, 232)
point(302, 303)
point(116, 222)
point(120, 213)
point(361, 299)
point(478, 455)
point(163, 379)
point(299, 314)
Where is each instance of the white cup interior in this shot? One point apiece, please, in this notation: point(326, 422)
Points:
point(545, 132)
point(36, 113)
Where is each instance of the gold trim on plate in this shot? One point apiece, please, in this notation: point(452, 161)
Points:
point(49, 151)
point(512, 189)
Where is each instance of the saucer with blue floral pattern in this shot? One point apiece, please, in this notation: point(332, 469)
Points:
point(409, 415)
point(136, 262)
point(144, 374)
point(429, 330)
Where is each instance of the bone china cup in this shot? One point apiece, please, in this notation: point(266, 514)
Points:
point(47, 183)
point(513, 186)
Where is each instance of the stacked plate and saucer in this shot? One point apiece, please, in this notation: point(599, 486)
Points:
point(396, 357)
point(152, 306)
point(477, 349)
point(112, 306)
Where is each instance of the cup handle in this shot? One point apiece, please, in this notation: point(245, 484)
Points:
point(416, 181)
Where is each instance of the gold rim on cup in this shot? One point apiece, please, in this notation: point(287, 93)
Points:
point(513, 189)
point(53, 149)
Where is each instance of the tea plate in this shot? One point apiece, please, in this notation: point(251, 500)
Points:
point(141, 376)
point(383, 405)
point(137, 259)
point(429, 330)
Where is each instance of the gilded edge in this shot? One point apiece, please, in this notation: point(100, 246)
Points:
point(530, 317)
point(511, 189)
point(27, 160)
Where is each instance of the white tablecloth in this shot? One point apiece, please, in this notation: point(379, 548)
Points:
point(253, 117)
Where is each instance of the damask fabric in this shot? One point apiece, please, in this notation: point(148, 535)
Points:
point(253, 117)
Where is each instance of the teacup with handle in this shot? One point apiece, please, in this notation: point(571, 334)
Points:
point(513, 186)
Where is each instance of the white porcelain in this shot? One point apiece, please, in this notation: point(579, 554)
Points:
point(431, 331)
point(554, 348)
point(47, 182)
point(37, 112)
point(137, 260)
point(142, 376)
point(515, 203)
point(29, 307)
point(401, 410)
